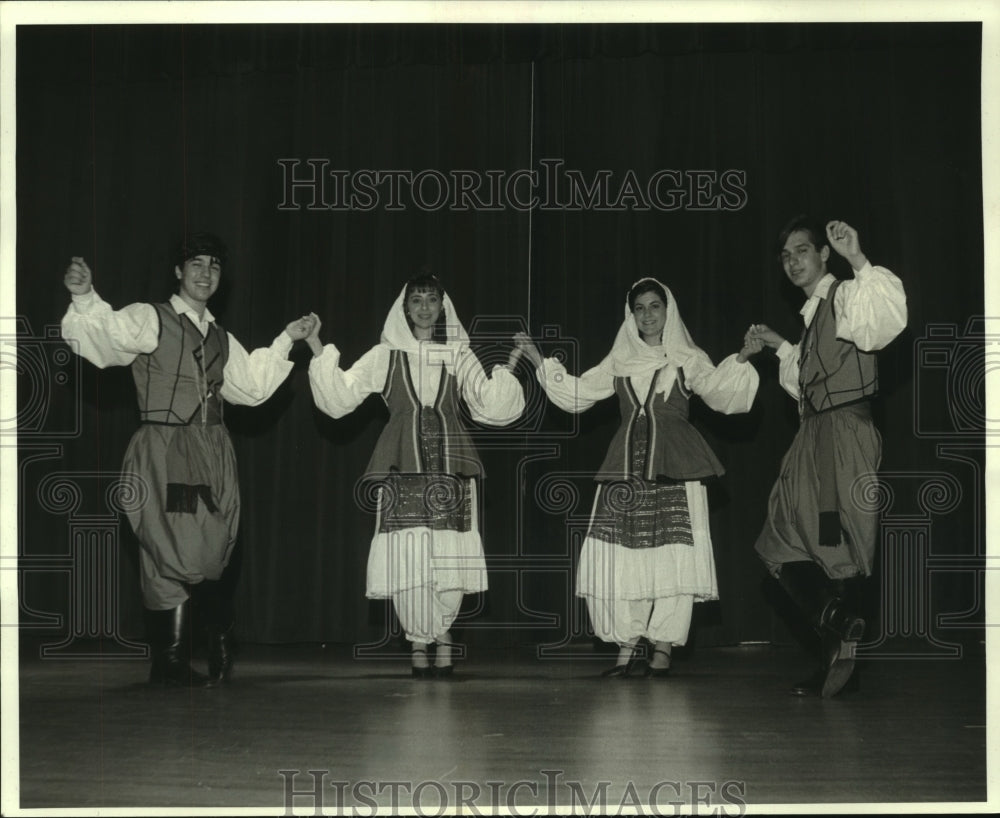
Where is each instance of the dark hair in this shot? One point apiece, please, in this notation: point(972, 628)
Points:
point(200, 244)
point(643, 287)
point(807, 225)
point(425, 281)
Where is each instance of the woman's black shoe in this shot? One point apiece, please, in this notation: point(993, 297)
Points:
point(424, 672)
point(621, 671)
point(444, 671)
point(658, 672)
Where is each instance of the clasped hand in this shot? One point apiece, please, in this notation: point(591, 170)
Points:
point(758, 337)
point(302, 328)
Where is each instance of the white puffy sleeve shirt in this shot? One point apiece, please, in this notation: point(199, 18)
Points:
point(108, 337)
point(729, 388)
point(870, 310)
point(495, 400)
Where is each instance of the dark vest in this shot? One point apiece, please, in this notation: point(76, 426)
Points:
point(398, 448)
point(674, 451)
point(833, 372)
point(184, 372)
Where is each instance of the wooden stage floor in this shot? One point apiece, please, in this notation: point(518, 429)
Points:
point(509, 732)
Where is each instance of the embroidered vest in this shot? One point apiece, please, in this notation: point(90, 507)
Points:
point(399, 446)
point(674, 450)
point(833, 372)
point(179, 382)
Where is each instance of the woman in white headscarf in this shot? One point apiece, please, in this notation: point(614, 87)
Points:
point(426, 552)
point(647, 557)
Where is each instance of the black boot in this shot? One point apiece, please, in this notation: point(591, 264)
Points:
point(809, 588)
point(813, 685)
point(840, 628)
point(220, 653)
point(217, 611)
point(172, 650)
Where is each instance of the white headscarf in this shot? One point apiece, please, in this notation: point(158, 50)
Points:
point(396, 334)
point(631, 356)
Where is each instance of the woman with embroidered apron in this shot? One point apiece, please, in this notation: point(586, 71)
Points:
point(426, 553)
point(647, 557)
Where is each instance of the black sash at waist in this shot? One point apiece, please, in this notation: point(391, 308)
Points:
point(861, 407)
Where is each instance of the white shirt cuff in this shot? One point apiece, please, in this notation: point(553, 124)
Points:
point(785, 350)
point(86, 301)
point(282, 345)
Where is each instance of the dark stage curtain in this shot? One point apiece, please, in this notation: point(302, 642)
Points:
point(127, 136)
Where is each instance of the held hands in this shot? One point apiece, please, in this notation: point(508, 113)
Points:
point(300, 328)
point(758, 337)
point(844, 239)
point(751, 346)
point(312, 339)
point(763, 332)
point(523, 345)
point(78, 277)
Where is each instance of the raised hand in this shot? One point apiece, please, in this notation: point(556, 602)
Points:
point(312, 339)
point(523, 342)
point(78, 277)
point(301, 327)
point(844, 240)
